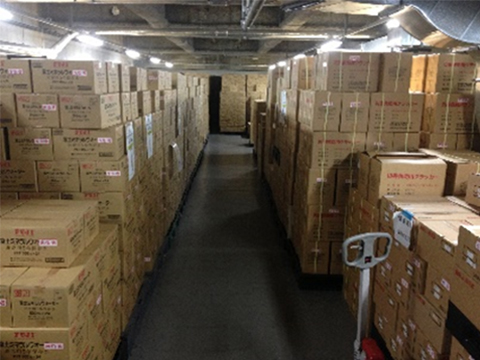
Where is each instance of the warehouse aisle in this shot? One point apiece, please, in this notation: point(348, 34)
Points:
point(227, 289)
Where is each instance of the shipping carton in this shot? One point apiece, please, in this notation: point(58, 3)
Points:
point(44, 343)
point(303, 73)
point(8, 196)
point(406, 142)
point(396, 112)
point(154, 79)
point(124, 74)
point(54, 241)
point(473, 193)
point(8, 112)
point(405, 175)
point(465, 294)
point(30, 144)
point(319, 110)
point(347, 72)
point(450, 73)
point(39, 195)
point(438, 141)
point(100, 176)
point(90, 111)
point(386, 311)
point(315, 258)
point(125, 107)
point(113, 77)
point(58, 176)
point(69, 77)
point(395, 72)
point(424, 349)
point(449, 113)
point(138, 79)
point(155, 98)
point(336, 259)
point(38, 110)
point(458, 352)
point(438, 288)
point(3, 145)
point(144, 103)
point(355, 112)
point(419, 68)
point(18, 176)
point(467, 256)
point(7, 278)
point(379, 141)
point(89, 144)
point(328, 149)
point(134, 105)
point(15, 76)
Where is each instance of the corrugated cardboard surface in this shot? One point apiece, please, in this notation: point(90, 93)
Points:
point(30, 144)
point(38, 110)
point(18, 176)
point(15, 76)
point(8, 113)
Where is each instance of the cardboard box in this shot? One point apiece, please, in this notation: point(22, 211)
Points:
point(450, 73)
point(331, 227)
point(8, 112)
point(8, 196)
point(44, 343)
point(18, 176)
point(424, 348)
point(406, 142)
point(113, 206)
point(138, 79)
point(458, 352)
point(379, 141)
point(134, 105)
point(144, 103)
point(328, 149)
point(38, 110)
point(90, 111)
point(54, 241)
point(155, 97)
point(15, 76)
point(396, 112)
point(154, 79)
point(431, 322)
point(113, 77)
point(386, 310)
point(7, 278)
point(473, 192)
point(395, 72)
point(419, 69)
point(355, 112)
point(124, 74)
point(315, 258)
point(467, 256)
point(3, 145)
point(347, 71)
point(125, 107)
point(69, 77)
point(336, 260)
point(30, 144)
point(405, 175)
point(58, 176)
point(442, 141)
point(39, 195)
point(303, 73)
point(465, 295)
point(309, 183)
point(438, 288)
point(346, 180)
point(319, 110)
point(100, 176)
point(106, 144)
point(449, 113)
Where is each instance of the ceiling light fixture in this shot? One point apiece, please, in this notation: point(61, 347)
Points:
point(393, 24)
point(90, 40)
point(299, 56)
point(272, 67)
point(331, 45)
point(5, 15)
point(169, 65)
point(282, 63)
point(133, 54)
point(155, 60)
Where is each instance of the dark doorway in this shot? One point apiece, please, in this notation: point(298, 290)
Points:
point(214, 104)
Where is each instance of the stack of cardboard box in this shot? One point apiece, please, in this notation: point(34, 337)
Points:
point(448, 121)
point(119, 144)
point(233, 102)
point(60, 284)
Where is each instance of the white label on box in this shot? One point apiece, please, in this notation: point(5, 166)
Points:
point(404, 283)
point(470, 254)
point(448, 248)
point(355, 104)
point(49, 107)
point(410, 269)
point(388, 265)
point(431, 351)
point(436, 295)
point(105, 140)
point(436, 288)
point(41, 141)
point(471, 263)
point(15, 71)
point(149, 131)
point(334, 211)
point(320, 180)
point(417, 263)
point(80, 72)
point(402, 226)
point(442, 146)
point(463, 100)
point(130, 141)
point(477, 245)
point(48, 242)
point(354, 58)
point(113, 173)
point(445, 284)
point(53, 346)
point(99, 299)
point(328, 104)
point(3, 302)
point(148, 259)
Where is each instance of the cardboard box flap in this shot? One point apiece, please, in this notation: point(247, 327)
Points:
point(448, 230)
point(8, 275)
point(414, 161)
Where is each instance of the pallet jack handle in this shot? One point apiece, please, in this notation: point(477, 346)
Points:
point(364, 347)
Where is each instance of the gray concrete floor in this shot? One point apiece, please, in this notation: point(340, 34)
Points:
point(227, 290)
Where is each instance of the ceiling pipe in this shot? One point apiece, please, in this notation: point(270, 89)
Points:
point(250, 12)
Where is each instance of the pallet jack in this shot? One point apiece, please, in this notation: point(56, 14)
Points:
point(365, 348)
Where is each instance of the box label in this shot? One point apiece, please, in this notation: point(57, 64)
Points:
point(49, 107)
point(48, 242)
point(41, 141)
point(149, 132)
point(113, 173)
point(130, 141)
point(402, 225)
point(105, 140)
point(3, 302)
point(53, 346)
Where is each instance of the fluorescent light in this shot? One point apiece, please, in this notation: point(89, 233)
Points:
point(393, 24)
point(90, 40)
point(5, 15)
point(299, 56)
point(331, 45)
point(132, 54)
point(169, 65)
point(282, 63)
point(272, 67)
point(155, 60)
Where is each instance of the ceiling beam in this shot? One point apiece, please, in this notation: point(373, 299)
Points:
point(155, 16)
